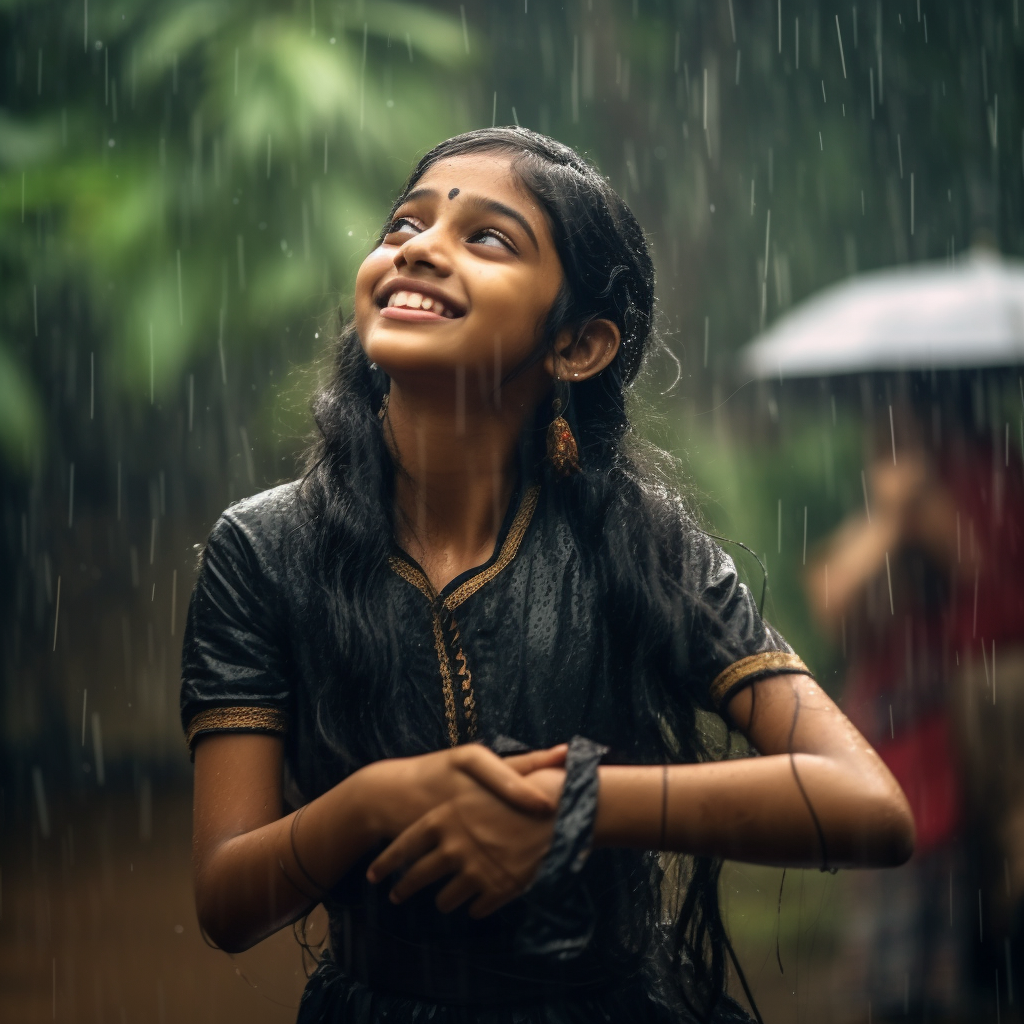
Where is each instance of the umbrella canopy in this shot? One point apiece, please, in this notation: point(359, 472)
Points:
point(926, 316)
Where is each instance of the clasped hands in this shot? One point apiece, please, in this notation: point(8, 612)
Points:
point(483, 822)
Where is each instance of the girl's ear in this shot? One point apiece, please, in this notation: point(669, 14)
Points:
point(586, 355)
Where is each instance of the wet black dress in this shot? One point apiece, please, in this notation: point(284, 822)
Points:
point(513, 648)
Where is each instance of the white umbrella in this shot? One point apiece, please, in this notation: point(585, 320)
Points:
point(927, 316)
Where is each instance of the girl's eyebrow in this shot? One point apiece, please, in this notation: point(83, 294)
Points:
point(482, 203)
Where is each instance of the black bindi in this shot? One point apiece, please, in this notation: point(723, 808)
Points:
point(454, 192)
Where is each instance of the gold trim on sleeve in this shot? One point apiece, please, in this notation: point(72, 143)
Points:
point(766, 663)
point(255, 718)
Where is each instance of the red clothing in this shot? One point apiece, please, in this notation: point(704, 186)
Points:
point(904, 657)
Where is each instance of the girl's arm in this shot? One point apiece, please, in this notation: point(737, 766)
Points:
point(819, 797)
point(256, 869)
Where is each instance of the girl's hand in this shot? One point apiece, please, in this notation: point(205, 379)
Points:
point(399, 791)
point(491, 850)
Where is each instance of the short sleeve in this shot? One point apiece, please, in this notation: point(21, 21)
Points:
point(730, 644)
point(232, 662)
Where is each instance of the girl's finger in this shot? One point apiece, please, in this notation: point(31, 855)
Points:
point(552, 757)
point(433, 866)
point(407, 847)
point(455, 893)
point(505, 781)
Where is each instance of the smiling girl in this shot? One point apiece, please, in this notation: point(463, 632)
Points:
point(386, 660)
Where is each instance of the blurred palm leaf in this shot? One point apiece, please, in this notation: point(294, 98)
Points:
point(220, 164)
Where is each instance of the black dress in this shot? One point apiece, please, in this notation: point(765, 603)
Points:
point(513, 648)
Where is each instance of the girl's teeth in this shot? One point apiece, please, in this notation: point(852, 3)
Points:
point(414, 300)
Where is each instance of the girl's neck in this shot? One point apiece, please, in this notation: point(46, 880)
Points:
point(458, 472)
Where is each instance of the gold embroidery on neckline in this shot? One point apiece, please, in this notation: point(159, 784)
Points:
point(411, 574)
point(508, 551)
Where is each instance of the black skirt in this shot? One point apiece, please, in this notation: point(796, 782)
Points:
point(334, 997)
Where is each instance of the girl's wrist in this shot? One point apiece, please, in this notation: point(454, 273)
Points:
point(370, 798)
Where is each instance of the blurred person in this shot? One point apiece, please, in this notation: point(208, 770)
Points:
point(923, 589)
point(450, 682)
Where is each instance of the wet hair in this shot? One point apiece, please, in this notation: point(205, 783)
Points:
point(625, 525)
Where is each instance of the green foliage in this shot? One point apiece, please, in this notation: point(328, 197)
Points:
point(201, 169)
point(20, 413)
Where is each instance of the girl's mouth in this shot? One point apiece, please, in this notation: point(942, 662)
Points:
point(411, 305)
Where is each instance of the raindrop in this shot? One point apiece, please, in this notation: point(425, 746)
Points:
point(145, 809)
point(41, 808)
point(97, 748)
point(362, 82)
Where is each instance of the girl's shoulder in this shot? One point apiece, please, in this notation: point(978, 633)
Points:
point(261, 527)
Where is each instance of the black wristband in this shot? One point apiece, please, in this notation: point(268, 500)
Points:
point(560, 920)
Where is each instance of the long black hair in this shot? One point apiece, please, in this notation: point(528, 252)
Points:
point(625, 525)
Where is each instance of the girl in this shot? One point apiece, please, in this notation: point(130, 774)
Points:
point(476, 569)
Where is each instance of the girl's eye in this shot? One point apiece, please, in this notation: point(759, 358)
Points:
point(492, 237)
point(403, 226)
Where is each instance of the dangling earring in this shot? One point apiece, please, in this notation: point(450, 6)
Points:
point(383, 410)
point(563, 454)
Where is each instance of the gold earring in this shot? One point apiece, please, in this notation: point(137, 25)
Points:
point(563, 454)
point(383, 410)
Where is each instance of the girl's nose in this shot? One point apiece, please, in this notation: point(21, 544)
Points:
point(426, 249)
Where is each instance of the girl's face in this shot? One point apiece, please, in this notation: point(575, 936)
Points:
point(465, 276)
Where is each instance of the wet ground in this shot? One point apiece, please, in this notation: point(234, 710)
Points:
point(97, 926)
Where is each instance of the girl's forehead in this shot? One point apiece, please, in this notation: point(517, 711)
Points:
point(487, 175)
point(477, 169)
